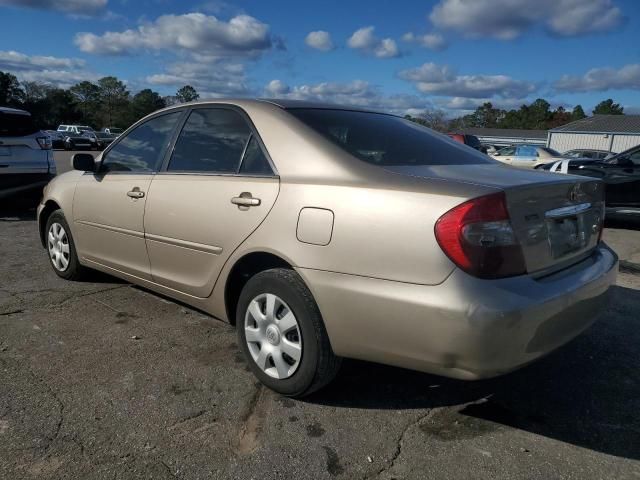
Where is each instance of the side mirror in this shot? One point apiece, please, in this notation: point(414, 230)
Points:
point(83, 162)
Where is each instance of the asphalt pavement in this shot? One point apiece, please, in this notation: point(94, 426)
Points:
point(106, 380)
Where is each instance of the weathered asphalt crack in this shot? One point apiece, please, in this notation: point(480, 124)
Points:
point(168, 469)
point(186, 419)
point(11, 312)
point(251, 422)
point(391, 461)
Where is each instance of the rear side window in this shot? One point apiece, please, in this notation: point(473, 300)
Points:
point(143, 148)
point(16, 125)
point(211, 141)
point(254, 161)
point(526, 151)
point(387, 140)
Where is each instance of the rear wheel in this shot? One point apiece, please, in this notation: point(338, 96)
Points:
point(282, 335)
point(61, 248)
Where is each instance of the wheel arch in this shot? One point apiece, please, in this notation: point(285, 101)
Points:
point(243, 269)
point(49, 207)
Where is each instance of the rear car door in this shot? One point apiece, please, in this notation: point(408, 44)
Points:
point(525, 157)
point(108, 206)
point(217, 187)
point(26, 160)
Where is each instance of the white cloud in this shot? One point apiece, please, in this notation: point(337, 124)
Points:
point(602, 79)
point(216, 79)
point(59, 71)
point(12, 60)
point(508, 19)
point(357, 93)
point(432, 41)
point(276, 88)
point(443, 80)
point(243, 35)
point(365, 40)
point(78, 7)
point(320, 40)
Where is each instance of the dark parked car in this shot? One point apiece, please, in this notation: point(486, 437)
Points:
point(26, 160)
point(57, 138)
point(621, 174)
point(588, 153)
point(80, 141)
point(101, 139)
point(467, 139)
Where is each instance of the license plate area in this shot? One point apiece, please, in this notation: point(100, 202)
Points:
point(572, 229)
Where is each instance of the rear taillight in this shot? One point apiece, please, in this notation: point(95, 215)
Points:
point(44, 142)
point(478, 237)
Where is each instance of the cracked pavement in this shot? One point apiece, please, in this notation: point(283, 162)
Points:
point(103, 380)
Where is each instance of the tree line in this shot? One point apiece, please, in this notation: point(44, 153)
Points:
point(538, 115)
point(105, 103)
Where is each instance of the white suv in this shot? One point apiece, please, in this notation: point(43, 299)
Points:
point(26, 158)
point(75, 128)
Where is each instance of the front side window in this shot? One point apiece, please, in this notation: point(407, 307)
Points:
point(507, 151)
point(211, 141)
point(386, 140)
point(143, 148)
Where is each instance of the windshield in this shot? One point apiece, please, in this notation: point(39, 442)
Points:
point(16, 125)
point(387, 140)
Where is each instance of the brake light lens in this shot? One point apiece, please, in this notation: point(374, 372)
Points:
point(478, 237)
point(44, 142)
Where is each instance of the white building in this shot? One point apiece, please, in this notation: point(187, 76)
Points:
point(613, 133)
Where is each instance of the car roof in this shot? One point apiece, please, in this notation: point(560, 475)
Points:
point(286, 104)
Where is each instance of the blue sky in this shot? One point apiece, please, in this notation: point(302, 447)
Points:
point(402, 56)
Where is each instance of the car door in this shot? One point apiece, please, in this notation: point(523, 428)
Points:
point(216, 188)
point(505, 154)
point(525, 157)
point(108, 206)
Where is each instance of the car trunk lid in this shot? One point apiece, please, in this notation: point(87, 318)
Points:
point(557, 219)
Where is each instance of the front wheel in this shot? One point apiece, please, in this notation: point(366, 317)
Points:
point(282, 335)
point(61, 248)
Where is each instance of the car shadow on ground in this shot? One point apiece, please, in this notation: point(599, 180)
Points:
point(586, 393)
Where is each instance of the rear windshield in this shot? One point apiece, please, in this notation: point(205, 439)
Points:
point(387, 140)
point(16, 125)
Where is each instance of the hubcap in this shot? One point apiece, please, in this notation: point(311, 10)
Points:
point(273, 336)
point(58, 246)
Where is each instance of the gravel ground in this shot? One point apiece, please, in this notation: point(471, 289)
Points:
point(106, 380)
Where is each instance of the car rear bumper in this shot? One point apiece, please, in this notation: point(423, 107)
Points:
point(465, 327)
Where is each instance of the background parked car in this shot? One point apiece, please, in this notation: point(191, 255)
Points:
point(470, 140)
point(527, 156)
point(621, 174)
point(74, 128)
point(101, 139)
point(113, 131)
point(57, 138)
point(26, 159)
point(85, 140)
point(588, 153)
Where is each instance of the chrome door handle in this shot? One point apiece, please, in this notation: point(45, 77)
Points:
point(245, 200)
point(135, 193)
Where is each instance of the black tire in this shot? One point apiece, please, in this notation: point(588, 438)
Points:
point(318, 364)
point(73, 271)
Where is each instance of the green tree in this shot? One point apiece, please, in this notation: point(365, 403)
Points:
point(11, 95)
point(145, 102)
point(187, 94)
point(607, 107)
point(114, 100)
point(86, 96)
point(578, 113)
point(486, 116)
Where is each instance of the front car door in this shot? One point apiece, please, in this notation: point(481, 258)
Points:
point(525, 157)
point(108, 206)
point(216, 188)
